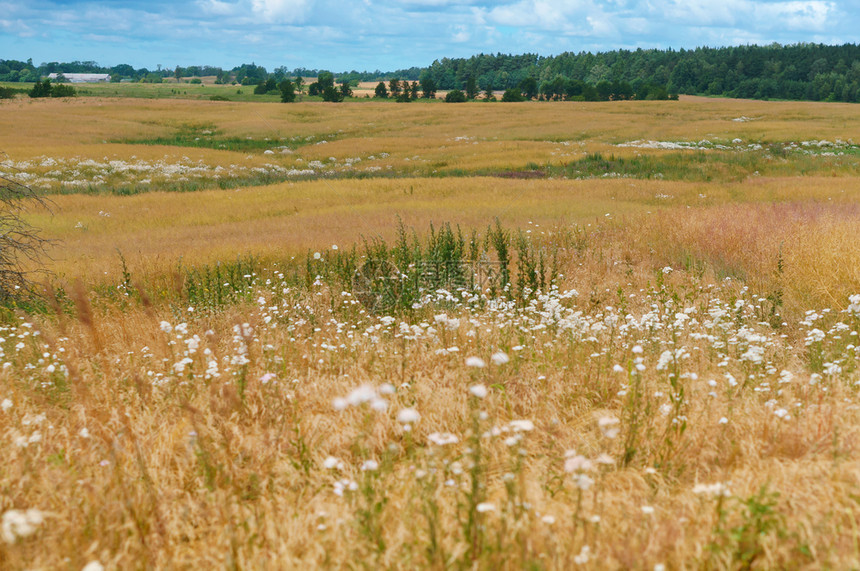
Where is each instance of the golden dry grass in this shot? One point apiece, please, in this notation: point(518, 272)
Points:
point(178, 468)
point(736, 229)
point(81, 125)
point(138, 452)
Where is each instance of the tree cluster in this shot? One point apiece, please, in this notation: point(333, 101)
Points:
point(325, 87)
point(47, 89)
point(404, 91)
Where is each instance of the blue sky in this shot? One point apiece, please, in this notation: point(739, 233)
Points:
point(341, 35)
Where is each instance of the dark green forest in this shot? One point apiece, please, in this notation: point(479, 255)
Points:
point(805, 71)
point(801, 72)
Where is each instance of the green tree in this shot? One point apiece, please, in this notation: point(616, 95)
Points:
point(604, 90)
point(428, 87)
point(324, 82)
point(488, 93)
point(394, 87)
point(381, 92)
point(325, 79)
point(471, 88)
point(41, 89)
point(288, 91)
point(529, 88)
point(405, 94)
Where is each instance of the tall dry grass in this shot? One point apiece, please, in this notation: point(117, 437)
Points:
point(138, 452)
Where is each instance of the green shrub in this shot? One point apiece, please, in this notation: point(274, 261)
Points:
point(513, 95)
point(455, 96)
point(7, 93)
point(62, 90)
point(41, 89)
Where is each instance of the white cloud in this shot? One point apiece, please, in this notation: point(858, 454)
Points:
point(217, 8)
point(704, 12)
point(461, 35)
point(543, 14)
point(797, 15)
point(282, 11)
point(748, 14)
point(432, 3)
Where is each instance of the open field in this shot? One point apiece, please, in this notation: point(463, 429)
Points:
point(542, 335)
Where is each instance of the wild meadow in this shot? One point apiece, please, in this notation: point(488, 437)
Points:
point(484, 336)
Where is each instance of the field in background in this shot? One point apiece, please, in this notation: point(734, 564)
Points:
point(317, 174)
point(541, 335)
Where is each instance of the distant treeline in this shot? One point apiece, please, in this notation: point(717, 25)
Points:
point(801, 72)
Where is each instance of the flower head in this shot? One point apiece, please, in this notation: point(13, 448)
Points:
point(408, 416)
point(20, 523)
point(479, 391)
point(485, 507)
point(609, 426)
point(521, 425)
point(442, 438)
point(476, 362)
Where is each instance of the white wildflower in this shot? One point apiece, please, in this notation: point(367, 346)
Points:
point(332, 463)
point(339, 403)
point(19, 523)
point(408, 416)
point(584, 482)
point(476, 362)
point(361, 395)
point(521, 425)
point(442, 438)
point(609, 426)
point(717, 489)
point(379, 404)
point(479, 391)
point(577, 463)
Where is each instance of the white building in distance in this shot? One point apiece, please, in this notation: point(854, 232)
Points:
point(83, 77)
